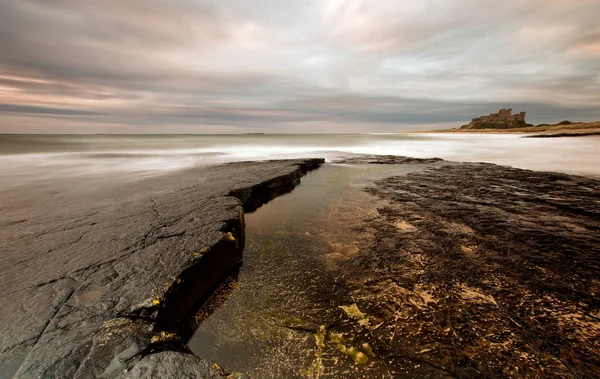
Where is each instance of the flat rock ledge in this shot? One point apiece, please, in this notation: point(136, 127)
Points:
point(475, 270)
point(104, 294)
point(386, 159)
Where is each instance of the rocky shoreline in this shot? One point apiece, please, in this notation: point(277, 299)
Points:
point(479, 270)
point(100, 290)
point(445, 269)
point(460, 270)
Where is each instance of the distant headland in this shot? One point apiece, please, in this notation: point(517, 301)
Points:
point(504, 119)
point(506, 122)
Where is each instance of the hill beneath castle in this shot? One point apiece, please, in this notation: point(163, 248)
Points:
point(506, 122)
point(579, 128)
point(504, 119)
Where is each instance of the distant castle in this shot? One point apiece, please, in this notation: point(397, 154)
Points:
point(502, 116)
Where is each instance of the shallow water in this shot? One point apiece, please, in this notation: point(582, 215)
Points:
point(283, 317)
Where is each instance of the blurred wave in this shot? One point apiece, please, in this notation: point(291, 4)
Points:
point(31, 157)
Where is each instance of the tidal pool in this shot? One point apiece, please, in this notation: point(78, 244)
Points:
point(288, 313)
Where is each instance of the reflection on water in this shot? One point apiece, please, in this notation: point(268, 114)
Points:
point(289, 314)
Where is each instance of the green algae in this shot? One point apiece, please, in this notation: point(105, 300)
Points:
point(353, 312)
point(316, 368)
point(359, 357)
point(368, 349)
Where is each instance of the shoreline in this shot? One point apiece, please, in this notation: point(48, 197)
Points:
point(575, 128)
point(440, 268)
point(563, 132)
point(574, 134)
point(131, 267)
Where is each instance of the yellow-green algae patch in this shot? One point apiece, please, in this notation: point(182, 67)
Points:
point(115, 327)
point(353, 312)
point(357, 356)
point(149, 303)
point(316, 369)
point(164, 337)
point(322, 338)
point(368, 349)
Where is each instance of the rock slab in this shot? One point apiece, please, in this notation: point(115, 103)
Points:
point(94, 283)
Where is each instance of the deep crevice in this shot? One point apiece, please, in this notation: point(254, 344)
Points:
point(219, 265)
point(195, 285)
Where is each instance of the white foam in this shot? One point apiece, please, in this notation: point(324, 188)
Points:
point(573, 155)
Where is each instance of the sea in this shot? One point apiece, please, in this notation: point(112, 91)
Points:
point(29, 158)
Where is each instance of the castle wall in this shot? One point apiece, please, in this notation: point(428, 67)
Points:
point(502, 115)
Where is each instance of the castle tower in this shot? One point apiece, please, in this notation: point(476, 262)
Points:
point(505, 114)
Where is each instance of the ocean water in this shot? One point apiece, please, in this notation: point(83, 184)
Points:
point(42, 157)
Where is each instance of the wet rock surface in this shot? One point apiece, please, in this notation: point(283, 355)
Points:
point(387, 159)
point(448, 270)
point(95, 281)
point(169, 364)
point(479, 270)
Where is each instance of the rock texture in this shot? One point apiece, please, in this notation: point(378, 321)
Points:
point(479, 270)
point(170, 364)
point(94, 282)
point(387, 159)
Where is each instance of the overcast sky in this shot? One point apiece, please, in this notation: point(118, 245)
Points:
point(299, 66)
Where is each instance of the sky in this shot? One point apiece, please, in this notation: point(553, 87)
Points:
point(293, 66)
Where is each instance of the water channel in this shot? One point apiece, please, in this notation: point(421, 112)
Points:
point(288, 314)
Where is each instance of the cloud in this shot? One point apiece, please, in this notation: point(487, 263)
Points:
point(293, 66)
